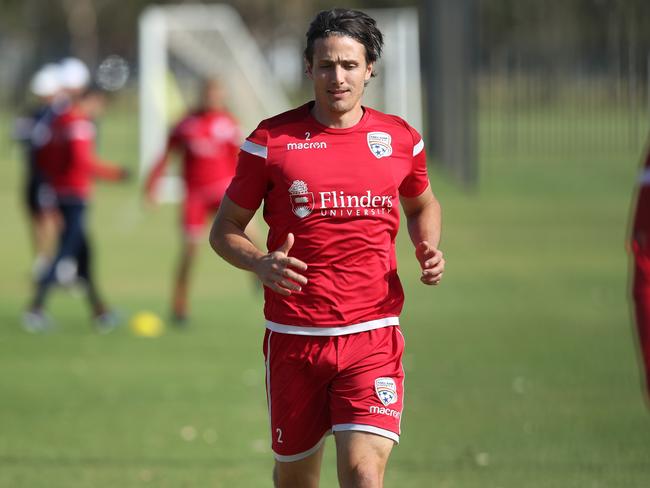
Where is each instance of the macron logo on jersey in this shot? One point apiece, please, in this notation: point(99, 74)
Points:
point(293, 146)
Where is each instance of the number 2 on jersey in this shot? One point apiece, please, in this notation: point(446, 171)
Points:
point(279, 431)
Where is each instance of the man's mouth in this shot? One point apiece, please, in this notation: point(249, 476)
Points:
point(338, 93)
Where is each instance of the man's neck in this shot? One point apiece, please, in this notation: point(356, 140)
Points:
point(335, 120)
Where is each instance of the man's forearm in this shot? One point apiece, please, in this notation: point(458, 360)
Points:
point(233, 245)
point(425, 224)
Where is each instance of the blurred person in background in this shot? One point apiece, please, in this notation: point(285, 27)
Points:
point(75, 78)
point(332, 174)
point(33, 131)
point(641, 278)
point(69, 164)
point(208, 140)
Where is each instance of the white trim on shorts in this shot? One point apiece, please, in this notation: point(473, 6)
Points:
point(332, 331)
point(401, 365)
point(301, 455)
point(367, 428)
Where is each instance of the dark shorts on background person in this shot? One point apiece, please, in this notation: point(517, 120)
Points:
point(39, 197)
point(72, 259)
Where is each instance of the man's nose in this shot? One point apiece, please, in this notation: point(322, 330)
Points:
point(338, 75)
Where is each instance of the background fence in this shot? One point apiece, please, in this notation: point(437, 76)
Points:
point(563, 77)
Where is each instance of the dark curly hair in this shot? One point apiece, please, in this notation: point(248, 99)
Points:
point(345, 22)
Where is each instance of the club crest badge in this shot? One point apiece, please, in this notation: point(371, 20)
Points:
point(302, 200)
point(379, 144)
point(386, 390)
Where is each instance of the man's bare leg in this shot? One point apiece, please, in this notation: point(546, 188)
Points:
point(299, 474)
point(182, 279)
point(361, 459)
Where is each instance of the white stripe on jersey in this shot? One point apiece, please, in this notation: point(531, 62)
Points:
point(254, 149)
point(644, 179)
point(332, 331)
point(81, 130)
point(417, 149)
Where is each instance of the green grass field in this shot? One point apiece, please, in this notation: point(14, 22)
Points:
point(521, 369)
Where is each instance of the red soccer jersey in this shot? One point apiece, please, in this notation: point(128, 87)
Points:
point(337, 191)
point(209, 142)
point(68, 159)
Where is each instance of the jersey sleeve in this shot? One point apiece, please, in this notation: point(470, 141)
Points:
point(80, 135)
point(248, 187)
point(81, 139)
point(417, 180)
point(80, 130)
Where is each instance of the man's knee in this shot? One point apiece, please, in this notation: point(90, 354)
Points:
point(363, 475)
point(362, 459)
point(294, 478)
point(304, 473)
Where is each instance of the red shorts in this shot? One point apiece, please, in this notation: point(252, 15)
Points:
point(200, 204)
point(316, 385)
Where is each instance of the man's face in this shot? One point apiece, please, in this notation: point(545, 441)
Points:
point(93, 105)
point(213, 96)
point(339, 72)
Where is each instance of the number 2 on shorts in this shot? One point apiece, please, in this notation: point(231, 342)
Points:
point(279, 431)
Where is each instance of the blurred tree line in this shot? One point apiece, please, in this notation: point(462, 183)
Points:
point(542, 36)
point(43, 30)
point(511, 31)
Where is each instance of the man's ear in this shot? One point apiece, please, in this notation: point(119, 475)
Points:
point(369, 69)
point(308, 70)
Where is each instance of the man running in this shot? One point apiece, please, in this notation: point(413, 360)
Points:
point(331, 174)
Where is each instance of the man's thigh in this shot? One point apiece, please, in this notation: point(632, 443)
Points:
point(367, 394)
point(304, 473)
point(298, 372)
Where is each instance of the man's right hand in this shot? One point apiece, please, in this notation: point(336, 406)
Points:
point(279, 272)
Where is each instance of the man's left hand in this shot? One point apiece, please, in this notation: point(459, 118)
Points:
point(431, 262)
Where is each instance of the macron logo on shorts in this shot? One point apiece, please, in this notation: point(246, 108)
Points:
point(385, 411)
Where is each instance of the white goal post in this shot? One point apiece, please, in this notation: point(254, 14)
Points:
point(397, 88)
point(181, 43)
point(211, 41)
